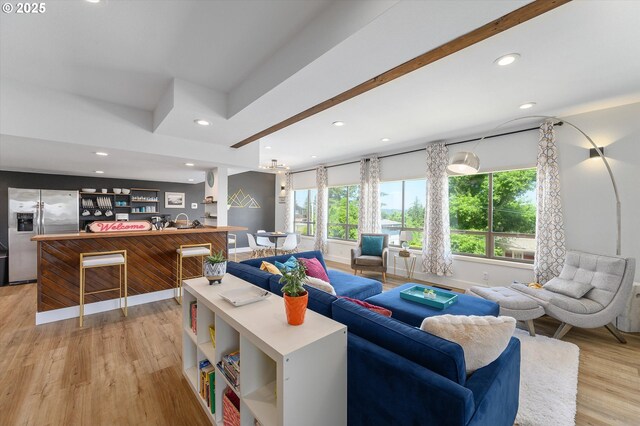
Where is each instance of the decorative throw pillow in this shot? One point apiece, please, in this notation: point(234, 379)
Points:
point(372, 245)
point(373, 308)
point(291, 263)
point(573, 289)
point(483, 339)
point(314, 268)
point(269, 267)
point(320, 285)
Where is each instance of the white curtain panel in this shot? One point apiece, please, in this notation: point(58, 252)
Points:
point(436, 244)
point(374, 194)
point(363, 217)
point(321, 209)
point(550, 241)
point(288, 202)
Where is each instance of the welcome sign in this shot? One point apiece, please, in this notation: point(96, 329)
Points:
point(136, 225)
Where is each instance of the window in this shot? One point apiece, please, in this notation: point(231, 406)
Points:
point(343, 212)
point(494, 215)
point(402, 207)
point(305, 211)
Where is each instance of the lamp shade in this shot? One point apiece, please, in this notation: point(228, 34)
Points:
point(406, 235)
point(464, 163)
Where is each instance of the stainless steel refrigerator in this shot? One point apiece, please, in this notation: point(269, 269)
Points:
point(35, 212)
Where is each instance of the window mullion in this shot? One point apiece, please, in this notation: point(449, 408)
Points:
point(490, 239)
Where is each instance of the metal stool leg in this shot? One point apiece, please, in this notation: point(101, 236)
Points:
point(126, 283)
point(81, 291)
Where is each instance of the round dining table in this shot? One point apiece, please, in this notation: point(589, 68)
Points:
point(274, 237)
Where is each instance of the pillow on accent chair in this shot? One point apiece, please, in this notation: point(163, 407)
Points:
point(573, 289)
point(269, 267)
point(372, 245)
point(483, 338)
point(320, 284)
point(315, 269)
point(291, 263)
point(373, 308)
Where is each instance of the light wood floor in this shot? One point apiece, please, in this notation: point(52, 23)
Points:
point(118, 371)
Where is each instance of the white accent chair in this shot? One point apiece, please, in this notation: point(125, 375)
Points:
point(256, 250)
point(608, 279)
point(290, 244)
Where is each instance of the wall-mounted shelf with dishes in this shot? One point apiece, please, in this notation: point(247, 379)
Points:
point(119, 200)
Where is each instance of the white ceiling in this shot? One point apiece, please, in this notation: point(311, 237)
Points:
point(132, 76)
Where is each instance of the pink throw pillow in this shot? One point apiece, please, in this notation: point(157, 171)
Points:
point(373, 308)
point(314, 268)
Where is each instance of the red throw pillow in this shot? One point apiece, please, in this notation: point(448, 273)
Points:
point(373, 308)
point(314, 268)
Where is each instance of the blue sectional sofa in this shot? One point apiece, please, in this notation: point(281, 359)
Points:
point(397, 373)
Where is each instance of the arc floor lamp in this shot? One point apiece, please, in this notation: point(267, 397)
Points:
point(467, 162)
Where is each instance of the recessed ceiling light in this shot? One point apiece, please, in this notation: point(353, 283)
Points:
point(527, 105)
point(385, 140)
point(103, 154)
point(267, 147)
point(202, 122)
point(92, 1)
point(190, 180)
point(189, 164)
point(507, 59)
point(314, 156)
point(338, 123)
point(99, 172)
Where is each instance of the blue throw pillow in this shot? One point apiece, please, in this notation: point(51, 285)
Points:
point(291, 263)
point(372, 245)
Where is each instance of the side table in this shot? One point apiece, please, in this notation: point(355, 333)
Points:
point(409, 264)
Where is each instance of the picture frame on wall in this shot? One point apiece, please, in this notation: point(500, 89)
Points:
point(174, 200)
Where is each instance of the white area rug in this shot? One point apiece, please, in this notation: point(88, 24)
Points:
point(548, 381)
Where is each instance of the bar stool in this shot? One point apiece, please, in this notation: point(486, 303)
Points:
point(187, 251)
point(233, 239)
point(102, 259)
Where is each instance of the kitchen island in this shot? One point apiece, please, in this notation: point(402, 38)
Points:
point(151, 258)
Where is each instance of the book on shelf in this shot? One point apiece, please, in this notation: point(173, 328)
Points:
point(207, 384)
point(194, 316)
point(212, 333)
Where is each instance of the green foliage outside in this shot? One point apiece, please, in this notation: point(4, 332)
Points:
point(341, 222)
point(514, 209)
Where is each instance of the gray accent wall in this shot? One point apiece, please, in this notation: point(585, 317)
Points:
point(260, 187)
point(194, 193)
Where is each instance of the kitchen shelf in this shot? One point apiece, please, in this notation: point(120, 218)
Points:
point(144, 213)
point(145, 189)
point(144, 201)
point(208, 217)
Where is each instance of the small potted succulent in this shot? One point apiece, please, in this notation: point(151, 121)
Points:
point(215, 266)
point(295, 296)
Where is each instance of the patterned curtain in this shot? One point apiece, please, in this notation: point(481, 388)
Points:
point(369, 205)
point(436, 245)
point(363, 212)
point(550, 243)
point(288, 203)
point(321, 209)
point(374, 194)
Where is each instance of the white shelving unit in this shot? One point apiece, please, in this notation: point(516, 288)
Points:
point(290, 375)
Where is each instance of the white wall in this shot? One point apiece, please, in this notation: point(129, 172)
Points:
point(588, 199)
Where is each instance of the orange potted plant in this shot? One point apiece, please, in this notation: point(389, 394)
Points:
point(295, 296)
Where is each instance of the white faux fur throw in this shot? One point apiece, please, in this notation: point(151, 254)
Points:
point(483, 339)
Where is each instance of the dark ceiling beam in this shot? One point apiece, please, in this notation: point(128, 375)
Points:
point(510, 20)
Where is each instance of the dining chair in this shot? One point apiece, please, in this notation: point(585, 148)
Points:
point(290, 244)
point(256, 250)
point(264, 241)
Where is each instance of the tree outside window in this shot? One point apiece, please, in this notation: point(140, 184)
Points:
point(402, 208)
point(305, 211)
point(494, 215)
point(343, 212)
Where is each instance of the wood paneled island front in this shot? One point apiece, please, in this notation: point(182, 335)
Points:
point(151, 258)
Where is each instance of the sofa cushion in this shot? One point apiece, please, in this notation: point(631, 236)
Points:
point(365, 260)
point(354, 286)
point(315, 269)
point(251, 274)
point(372, 245)
point(315, 254)
point(438, 355)
point(577, 306)
point(483, 338)
point(271, 268)
point(575, 289)
point(320, 285)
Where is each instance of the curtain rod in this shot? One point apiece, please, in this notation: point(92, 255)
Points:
point(422, 149)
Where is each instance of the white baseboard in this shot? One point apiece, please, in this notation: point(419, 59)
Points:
point(103, 306)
